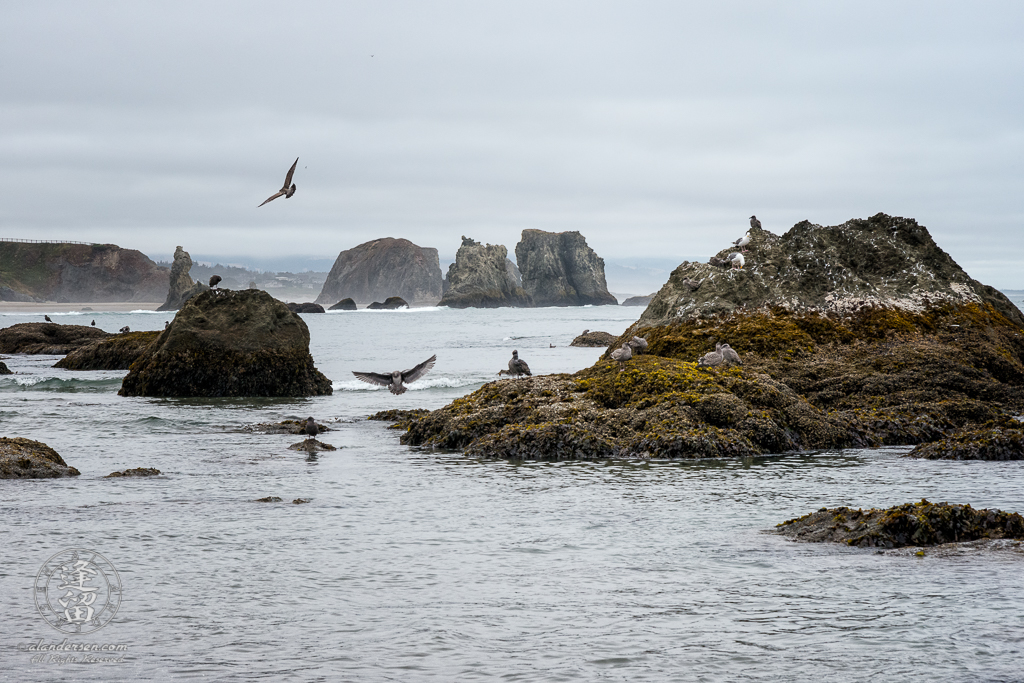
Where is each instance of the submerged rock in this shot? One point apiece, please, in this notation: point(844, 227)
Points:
point(594, 339)
point(401, 419)
point(229, 343)
point(307, 307)
point(384, 267)
point(559, 269)
point(137, 472)
point(269, 499)
point(47, 338)
point(116, 352)
point(4, 370)
point(344, 305)
point(917, 524)
point(482, 276)
point(392, 303)
point(28, 459)
point(312, 446)
point(182, 287)
point(998, 443)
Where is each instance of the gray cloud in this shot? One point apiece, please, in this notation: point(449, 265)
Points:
point(654, 128)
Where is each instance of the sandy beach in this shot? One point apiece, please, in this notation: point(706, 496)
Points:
point(54, 307)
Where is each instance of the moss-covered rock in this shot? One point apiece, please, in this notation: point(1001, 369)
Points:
point(992, 443)
point(116, 352)
point(229, 343)
point(28, 459)
point(136, 472)
point(401, 419)
point(917, 524)
point(47, 338)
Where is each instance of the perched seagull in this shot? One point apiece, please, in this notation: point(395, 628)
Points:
point(742, 242)
point(517, 366)
point(289, 187)
point(311, 428)
point(692, 285)
point(47, 318)
point(215, 279)
point(737, 260)
point(395, 382)
point(729, 354)
point(94, 323)
point(754, 223)
point(712, 358)
point(637, 345)
point(622, 354)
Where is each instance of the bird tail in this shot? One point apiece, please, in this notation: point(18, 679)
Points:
point(397, 390)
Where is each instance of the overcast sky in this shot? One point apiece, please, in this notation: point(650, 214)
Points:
point(655, 129)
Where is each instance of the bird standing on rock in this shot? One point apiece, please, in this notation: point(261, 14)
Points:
point(311, 428)
point(737, 260)
point(395, 382)
point(94, 323)
point(47, 318)
point(742, 242)
point(285, 189)
point(712, 358)
point(517, 366)
point(754, 223)
point(729, 354)
point(215, 280)
point(637, 345)
point(622, 354)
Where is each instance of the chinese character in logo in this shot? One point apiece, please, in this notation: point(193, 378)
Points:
point(77, 591)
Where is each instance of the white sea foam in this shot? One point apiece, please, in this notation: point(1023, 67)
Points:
point(418, 385)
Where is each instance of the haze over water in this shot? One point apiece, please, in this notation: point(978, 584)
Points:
point(413, 564)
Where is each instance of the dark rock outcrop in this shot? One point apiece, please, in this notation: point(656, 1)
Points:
point(116, 352)
point(638, 300)
point(883, 261)
point(990, 443)
point(284, 427)
point(916, 524)
point(78, 272)
point(382, 268)
point(47, 338)
point(27, 459)
point(399, 418)
point(305, 308)
point(559, 269)
point(344, 305)
point(182, 286)
point(392, 303)
point(137, 472)
point(482, 276)
point(4, 370)
point(593, 339)
point(229, 343)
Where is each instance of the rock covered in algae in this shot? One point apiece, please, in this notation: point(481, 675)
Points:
point(993, 443)
point(136, 472)
point(229, 343)
point(28, 459)
point(116, 352)
point(917, 524)
point(47, 338)
point(592, 339)
point(400, 419)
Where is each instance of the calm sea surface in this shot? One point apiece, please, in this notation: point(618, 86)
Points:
point(413, 565)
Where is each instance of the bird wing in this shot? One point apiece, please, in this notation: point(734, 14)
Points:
point(288, 178)
point(419, 370)
point(272, 198)
point(373, 378)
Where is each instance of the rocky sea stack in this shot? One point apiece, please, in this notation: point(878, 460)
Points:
point(383, 268)
point(182, 286)
point(559, 269)
point(483, 277)
point(229, 343)
point(344, 305)
point(891, 370)
point(48, 338)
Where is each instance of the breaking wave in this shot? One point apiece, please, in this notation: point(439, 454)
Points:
point(57, 384)
point(418, 385)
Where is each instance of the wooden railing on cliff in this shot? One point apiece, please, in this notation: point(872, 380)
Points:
point(14, 239)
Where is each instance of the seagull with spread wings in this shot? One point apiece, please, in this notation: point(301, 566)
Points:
point(289, 187)
point(396, 381)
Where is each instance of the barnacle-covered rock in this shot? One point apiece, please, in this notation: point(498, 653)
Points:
point(28, 459)
point(992, 443)
point(116, 352)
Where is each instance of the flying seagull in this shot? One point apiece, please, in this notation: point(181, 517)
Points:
point(517, 366)
point(622, 355)
point(215, 279)
point(289, 187)
point(754, 223)
point(395, 382)
point(729, 354)
point(742, 242)
point(311, 428)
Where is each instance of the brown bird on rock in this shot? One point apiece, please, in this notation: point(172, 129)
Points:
point(622, 354)
point(288, 189)
point(215, 280)
point(311, 428)
point(517, 366)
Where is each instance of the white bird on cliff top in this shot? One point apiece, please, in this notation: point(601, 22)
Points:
point(742, 242)
point(737, 259)
point(288, 189)
point(395, 382)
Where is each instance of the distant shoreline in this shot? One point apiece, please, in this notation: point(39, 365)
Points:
point(79, 307)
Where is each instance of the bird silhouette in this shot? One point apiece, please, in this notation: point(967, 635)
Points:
point(215, 279)
point(288, 189)
point(517, 366)
point(311, 428)
point(94, 323)
point(396, 381)
point(754, 223)
point(47, 318)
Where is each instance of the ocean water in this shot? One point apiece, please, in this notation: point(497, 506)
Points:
point(418, 565)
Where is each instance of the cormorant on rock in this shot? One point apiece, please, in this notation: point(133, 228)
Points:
point(712, 358)
point(737, 260)
point(517, 366)
point(215, 280)
point(729, 354)
point(742, 242)
point(47, 318)
point(311, 428)
point(396, 380)
point(754, 223)
point(285, 189)
point(622, 355)
point(94, 323)
point(637, 344)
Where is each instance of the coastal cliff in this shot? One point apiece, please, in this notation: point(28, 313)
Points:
point(559, 269)
point(817, 371)
point(383, 268)
point(86, 273)
point(483, 277)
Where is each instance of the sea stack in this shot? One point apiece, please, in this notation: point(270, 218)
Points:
point(483, 277)
point(559, 269)
point(229, 343)
point(182, 287)
point(384, 268)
